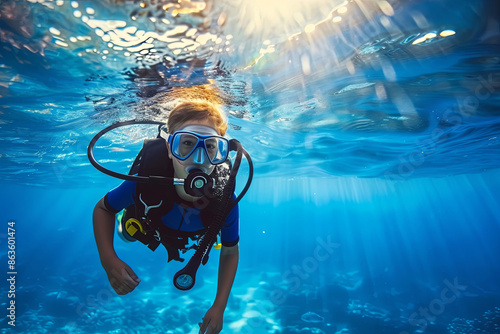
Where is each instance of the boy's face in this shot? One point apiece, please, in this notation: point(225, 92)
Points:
point(180, 167)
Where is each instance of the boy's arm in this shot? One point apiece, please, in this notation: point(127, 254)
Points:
point(104, 229)
point(121, 277)
point(228, 263)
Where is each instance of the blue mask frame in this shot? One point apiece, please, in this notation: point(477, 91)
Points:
point(219, 157)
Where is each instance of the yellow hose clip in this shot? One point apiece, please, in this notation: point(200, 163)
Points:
point(218, 244)
point(133, 225)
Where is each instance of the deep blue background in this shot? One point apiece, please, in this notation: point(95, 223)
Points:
point(395, 245)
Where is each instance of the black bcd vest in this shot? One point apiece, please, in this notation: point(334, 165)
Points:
point(160, 198)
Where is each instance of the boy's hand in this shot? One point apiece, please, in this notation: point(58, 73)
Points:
point(212, 321)
point(121, 277)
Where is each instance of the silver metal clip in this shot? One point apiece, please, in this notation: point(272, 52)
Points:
point(148, 207)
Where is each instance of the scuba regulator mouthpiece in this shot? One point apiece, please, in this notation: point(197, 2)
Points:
point(198, 183)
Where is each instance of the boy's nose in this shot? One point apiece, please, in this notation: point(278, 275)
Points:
point(199, 156)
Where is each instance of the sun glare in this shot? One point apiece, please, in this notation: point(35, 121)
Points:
point(280, 19)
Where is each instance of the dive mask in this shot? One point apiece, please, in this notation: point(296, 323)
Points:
point(198, 145)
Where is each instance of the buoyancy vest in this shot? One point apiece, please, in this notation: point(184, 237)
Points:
point(154, 200)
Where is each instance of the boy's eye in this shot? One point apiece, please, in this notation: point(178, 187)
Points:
point(210, 144)
point(188, 143)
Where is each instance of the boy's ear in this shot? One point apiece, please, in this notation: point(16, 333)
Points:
point(169, 152)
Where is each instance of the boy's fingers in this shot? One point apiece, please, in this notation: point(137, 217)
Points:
point(132, 274)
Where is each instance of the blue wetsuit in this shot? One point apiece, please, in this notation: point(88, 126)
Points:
point(180, 217)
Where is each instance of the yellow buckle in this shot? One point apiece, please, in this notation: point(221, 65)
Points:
point(133, 225)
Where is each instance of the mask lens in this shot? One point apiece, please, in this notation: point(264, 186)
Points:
point(217, 149)
point(184, 144)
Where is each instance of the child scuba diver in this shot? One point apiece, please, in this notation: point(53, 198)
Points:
point(184, 191)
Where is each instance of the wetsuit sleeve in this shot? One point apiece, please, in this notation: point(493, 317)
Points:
point(120, 197)
point(230, 232)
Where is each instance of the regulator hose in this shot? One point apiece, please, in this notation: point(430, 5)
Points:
point(185, 278)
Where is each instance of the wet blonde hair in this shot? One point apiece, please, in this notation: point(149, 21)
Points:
point(196, 111)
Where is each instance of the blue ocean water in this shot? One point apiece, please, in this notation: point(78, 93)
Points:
point(373, 126)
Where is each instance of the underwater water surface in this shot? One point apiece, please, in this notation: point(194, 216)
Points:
point(373, 127)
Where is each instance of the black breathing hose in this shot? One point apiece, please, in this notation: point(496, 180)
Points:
point(185, 278)
point(99, 167)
